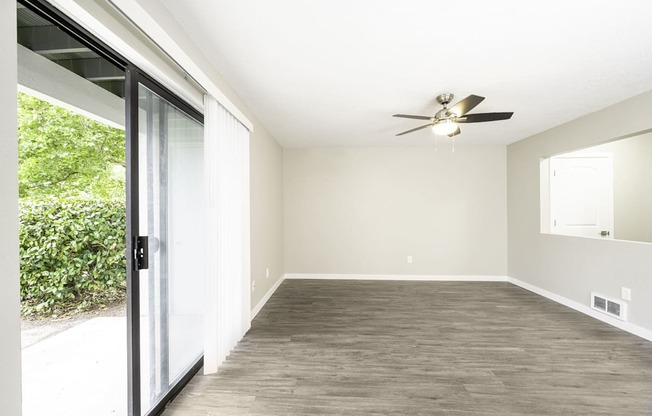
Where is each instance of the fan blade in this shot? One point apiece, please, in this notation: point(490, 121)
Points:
point(466, 105)
point(480, 117)
point(414, 117)
point(456, 132)
point(418, 128)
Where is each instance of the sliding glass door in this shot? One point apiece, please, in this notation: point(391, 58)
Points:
point(167, 286)
point(165, 200)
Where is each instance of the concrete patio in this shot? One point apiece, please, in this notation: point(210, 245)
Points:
point(80, 371)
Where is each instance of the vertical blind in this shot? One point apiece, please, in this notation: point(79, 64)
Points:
point(227, 311)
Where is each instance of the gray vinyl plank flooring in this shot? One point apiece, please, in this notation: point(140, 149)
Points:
point(357, 348)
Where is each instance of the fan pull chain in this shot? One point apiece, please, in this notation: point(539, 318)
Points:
point(453, 145)
point(435, 142)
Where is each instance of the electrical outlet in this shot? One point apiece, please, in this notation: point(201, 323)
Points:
point(267, 273)
point(409, 259)
point(253, 286)
point(626, 293)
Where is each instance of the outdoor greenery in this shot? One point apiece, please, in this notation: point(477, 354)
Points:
point(72, 209)
point(63, 154)
point(72, 254)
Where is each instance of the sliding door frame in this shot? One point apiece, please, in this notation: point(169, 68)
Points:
point(133, 77)
point(74, 29)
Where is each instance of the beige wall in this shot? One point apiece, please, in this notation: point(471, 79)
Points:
point(364, 210)
point(10, 396)
point(266, 212)
point(572, 267)
point(633, 188)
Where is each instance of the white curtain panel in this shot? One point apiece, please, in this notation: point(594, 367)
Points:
point(227, 317)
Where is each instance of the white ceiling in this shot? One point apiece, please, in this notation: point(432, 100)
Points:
point(332, 72)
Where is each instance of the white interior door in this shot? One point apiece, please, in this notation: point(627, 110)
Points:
point(581, 195)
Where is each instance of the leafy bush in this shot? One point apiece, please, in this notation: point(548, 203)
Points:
point(72, 254)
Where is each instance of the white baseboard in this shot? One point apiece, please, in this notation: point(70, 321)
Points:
point(585, 309)
point(265, 298)
point(406, 277)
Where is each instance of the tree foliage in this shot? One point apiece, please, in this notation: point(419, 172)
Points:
point(66, 154)
point(72, 209)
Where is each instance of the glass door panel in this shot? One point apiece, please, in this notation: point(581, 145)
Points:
point(171, 216)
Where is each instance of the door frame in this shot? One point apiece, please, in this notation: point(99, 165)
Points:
point(134, 78)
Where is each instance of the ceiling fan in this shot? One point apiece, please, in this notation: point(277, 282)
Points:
point(445, 121)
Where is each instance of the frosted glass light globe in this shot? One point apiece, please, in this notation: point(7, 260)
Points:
point(444, 127)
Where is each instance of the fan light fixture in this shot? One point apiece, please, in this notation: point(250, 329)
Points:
point(446, 121)
point(444, 127)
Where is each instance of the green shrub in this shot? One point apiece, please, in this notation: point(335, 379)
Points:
point(72, 254)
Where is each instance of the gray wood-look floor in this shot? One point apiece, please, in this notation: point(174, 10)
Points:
point(424, 348)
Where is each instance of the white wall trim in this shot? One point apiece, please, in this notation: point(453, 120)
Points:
point(265, 298)
point(406, 277)
point(585, 309)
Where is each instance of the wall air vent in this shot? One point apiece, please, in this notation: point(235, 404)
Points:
point(611, 307)
point(599, 303)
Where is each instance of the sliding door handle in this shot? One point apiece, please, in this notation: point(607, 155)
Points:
point(141, 252)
